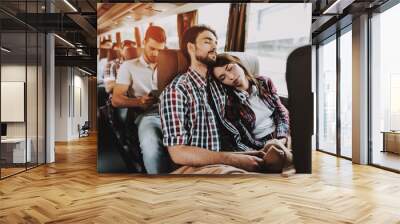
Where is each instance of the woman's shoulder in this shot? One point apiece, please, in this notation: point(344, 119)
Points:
point(266, 83)
point(264, 80)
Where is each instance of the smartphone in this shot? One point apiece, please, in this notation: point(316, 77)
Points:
point(154, 93)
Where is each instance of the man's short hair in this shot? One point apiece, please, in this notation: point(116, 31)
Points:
point(191, 34)
point(156, 33)
point(128, 43)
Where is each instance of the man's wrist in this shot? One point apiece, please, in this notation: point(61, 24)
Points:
point(227, 158)
point(136, 102)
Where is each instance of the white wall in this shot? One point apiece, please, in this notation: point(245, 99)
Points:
point(71, 102)
point(12, 73)
point(33, 126)
point(61, 103)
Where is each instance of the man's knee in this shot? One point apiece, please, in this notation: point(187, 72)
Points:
point(148, 127)
point(150, 143)
point(153, 153)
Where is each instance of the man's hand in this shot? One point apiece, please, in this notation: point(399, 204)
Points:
point(146, 101)
point(119, 98)
point(247, 162)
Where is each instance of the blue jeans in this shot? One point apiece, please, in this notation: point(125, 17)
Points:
point(155, 156)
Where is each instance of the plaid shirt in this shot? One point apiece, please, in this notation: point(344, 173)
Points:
point(187, 118)
point(238, 118)
point(239, 111)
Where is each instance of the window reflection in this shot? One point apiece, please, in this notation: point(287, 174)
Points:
point(22, 68)
point(385, 89)
point(327, 97)
point(346, 94)
point(272, 42)
point(219, 24)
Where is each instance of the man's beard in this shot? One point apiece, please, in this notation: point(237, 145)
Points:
point(205, 60)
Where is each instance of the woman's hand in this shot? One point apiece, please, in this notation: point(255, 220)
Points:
point(287, 141)
point(283, 141)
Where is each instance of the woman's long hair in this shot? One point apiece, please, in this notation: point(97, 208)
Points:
point(224, 59)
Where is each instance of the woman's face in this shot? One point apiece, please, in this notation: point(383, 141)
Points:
point(231, 75)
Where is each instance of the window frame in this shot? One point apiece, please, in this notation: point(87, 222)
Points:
point(378, 10)
point(335, 36)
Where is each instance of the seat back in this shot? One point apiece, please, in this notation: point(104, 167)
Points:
point(132, 53)
point(112, 55)
point(169, 64)
point(298, 78)
point(250, 61)
point(86, 126)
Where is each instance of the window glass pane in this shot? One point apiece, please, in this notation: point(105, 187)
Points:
point(346, 94)
point(22, 91)
point(170, 26)
point(327, 97)
point(218, 23)
point(13, 85)
point(385, 87)
point(274, 31)
point(41, 98)
point(31, 98)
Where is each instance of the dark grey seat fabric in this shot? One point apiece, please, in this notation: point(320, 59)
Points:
point(298, 78)
point(118, 144)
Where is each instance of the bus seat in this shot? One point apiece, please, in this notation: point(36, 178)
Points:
point(112, 55)
point(132, 53)
point(249, 60)
point(170, 62)
point(301, 100)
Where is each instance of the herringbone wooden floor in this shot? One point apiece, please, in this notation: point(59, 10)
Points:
point(71, 191)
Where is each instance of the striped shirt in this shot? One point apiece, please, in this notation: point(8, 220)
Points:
point(187, 118)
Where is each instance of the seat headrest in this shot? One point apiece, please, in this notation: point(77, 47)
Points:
point(250, 61)
point(171, 62)
point(131, 53)
point(112, 54)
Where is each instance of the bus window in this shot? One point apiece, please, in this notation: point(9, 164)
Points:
point(216, 16)
point(273, 32)
point(170, 27)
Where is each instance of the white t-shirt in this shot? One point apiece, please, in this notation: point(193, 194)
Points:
point(264, 124)
point(140, 75)
point(101, 67)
